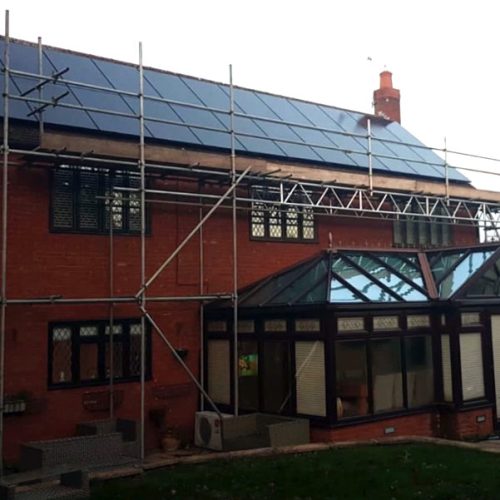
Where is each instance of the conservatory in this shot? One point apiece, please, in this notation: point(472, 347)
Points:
point(355, 336)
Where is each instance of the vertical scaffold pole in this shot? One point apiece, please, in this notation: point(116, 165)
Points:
point(446, 173)
point(142, 298)
point(40, 89)
point(235, 244)
point(370, 155)
point(202, 319)
point(110, 196)
point(4, 231)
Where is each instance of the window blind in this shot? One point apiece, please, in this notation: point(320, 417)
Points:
point(310, 378)
point(472, 366)
point(219, 388)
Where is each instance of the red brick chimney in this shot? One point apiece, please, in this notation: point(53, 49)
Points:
point(386, 99)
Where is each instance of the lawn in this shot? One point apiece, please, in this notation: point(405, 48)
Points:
point(374, 472)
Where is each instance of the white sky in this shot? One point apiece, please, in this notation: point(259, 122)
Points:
point(443, 54)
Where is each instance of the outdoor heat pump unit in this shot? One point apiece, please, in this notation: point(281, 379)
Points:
point(208, 430)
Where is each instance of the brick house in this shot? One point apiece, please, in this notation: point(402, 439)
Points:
point(349, 236)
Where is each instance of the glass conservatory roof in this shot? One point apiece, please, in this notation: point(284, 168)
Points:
point(361, 276)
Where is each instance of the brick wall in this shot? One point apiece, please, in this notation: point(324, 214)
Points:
point(466, 424)
point(74, 265)
point(409, 425)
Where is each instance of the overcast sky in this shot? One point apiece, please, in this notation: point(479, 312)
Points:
point(443, 54)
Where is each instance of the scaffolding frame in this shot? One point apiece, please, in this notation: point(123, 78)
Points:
point(331, 199)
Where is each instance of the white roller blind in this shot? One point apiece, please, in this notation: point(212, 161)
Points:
point(495, 338)
point(471, 355)
point(219, 386)
point(310, 377)
point(446, 362)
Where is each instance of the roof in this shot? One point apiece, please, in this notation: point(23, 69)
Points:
point(197, 115)
point(371, 276)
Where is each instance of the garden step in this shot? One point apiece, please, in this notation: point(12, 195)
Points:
point(83, 451)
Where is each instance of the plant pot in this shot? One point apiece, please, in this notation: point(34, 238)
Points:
point(170, 443)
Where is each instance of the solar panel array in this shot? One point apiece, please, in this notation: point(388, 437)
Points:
point(197, 114)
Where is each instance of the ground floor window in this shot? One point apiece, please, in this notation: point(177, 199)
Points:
point(471, 364)
point(80, 352)
point(383, 375)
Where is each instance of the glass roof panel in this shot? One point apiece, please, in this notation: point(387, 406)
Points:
point(276, 285)
point(381, 271)
point(488, 284)
point(295, 290)
point(457, 277)
point(340, 293)
point(365, 285)
point(441, 263)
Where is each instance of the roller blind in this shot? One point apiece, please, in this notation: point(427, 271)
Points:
point(471, 355)
point(219, 387)
point(310, 378)
point(446, 363)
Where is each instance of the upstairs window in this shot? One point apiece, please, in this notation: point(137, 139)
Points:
point(270, 220)
point(421, 233)
point(85, 199)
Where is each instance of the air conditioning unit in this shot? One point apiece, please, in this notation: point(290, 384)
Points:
point(208, 430)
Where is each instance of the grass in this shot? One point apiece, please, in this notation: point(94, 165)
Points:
point(372, 472)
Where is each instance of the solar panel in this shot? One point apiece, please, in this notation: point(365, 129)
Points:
point(188, 124)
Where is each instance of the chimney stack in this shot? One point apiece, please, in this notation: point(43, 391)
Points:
point(386, 99)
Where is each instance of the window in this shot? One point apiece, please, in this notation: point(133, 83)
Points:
point(419, 232)
point(79, 204)
point(272, 221)
point(79, 353)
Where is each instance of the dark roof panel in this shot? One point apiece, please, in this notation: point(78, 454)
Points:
point(279, 124)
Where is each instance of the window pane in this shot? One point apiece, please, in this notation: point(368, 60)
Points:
point(135, 349)
point(276, 377)
point(446, 362)
point(257, 218)
point(419, 371)
point(62, 198)
point(471, 356)
point(275, 228)
point(61, 355)
point(308, 223)
point(88, 362)
point(248, 375)
point(351, 376)
point(88, 213)
point(134, 206)
point(386, 374)
point(218, 371)
point(292, 223)
point(117, 359)
point(310, 378)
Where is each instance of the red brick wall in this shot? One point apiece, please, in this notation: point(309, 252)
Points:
point(409, 425)
point(41, 263)
point(464, 424)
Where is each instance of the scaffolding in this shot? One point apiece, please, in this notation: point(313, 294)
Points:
point(329, 199)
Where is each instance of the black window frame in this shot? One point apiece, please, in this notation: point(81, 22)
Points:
point(101, 340)
point(104, 179)
point(269, 212)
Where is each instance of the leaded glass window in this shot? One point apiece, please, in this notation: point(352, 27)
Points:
point(80, 353)
point(85, 199)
